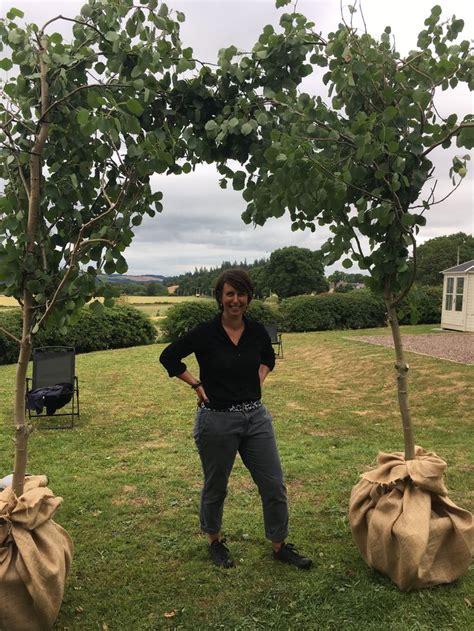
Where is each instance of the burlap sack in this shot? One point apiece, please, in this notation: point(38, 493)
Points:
point(35, 558)
point(405, 525)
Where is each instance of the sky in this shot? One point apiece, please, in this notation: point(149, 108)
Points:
point(200, 225)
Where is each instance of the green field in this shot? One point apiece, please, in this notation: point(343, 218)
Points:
point(130, 478)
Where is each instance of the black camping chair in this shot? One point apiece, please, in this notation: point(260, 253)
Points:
point(275, 337)
point(54, 369)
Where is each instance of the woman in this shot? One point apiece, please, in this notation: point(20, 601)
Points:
point(235, 355)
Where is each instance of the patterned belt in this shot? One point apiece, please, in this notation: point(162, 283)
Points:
point(245, 406)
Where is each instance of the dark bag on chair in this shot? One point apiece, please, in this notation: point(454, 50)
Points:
point(52, 398)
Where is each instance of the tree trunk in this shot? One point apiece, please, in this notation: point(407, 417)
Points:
point(21, 427)
point(402, 381)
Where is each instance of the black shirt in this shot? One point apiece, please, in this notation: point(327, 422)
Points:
point(229, 372)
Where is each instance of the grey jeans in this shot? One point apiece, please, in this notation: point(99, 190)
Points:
point(219, 436)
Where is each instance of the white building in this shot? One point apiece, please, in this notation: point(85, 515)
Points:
point(458, 297)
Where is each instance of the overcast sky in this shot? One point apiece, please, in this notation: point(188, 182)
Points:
point(200, 224)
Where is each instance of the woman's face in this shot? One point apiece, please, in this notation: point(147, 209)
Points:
point(234, 301)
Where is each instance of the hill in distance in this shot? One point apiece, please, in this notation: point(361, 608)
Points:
point(126, 278)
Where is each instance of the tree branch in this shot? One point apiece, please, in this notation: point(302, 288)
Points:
point(72, 262)
point(442, 199)
point(450, 135)
point(357, 188)
point(10, 335)
point(107, 86)
point(62, 17)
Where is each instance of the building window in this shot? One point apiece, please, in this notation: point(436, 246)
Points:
point(449, 294)
point(459, 293)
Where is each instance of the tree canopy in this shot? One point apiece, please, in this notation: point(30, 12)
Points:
point(357, 161)
point(293, 271)
point(440, 253)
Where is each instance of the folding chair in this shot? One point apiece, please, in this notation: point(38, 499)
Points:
point(275, 337)
point(54, 365)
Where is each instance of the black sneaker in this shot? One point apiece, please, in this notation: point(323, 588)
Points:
point(288, 554)
point(220, 554)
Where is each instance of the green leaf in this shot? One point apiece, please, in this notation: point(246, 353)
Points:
point(408, 220)
point(238, 181)
point(393, 146)
point(15, 36)
point(111, 36)
point(6, 64)
point(135, 107)
point(15, 13)
point(270, 154)
point(82, 116)
point(210, 125)
point(246, 129)
point(347, 263)
point(56, 38)
point(121, 265)
point(163, 10)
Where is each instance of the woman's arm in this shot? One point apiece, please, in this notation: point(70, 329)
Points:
point(263, 372)
point(188, 378)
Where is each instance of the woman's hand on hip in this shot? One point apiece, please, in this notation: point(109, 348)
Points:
point(201, 395)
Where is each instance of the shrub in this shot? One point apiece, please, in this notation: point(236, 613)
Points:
point(262, 312)
point(184, 316)
point(421, 306)
point(10, 319)
point(111, 327)
point(354, 310)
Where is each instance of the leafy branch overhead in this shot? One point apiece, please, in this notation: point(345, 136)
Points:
point(357, 160)
point(83, 126)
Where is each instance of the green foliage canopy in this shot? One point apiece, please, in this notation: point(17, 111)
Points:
point(439, 254)
point(83, 125)
point(293, 271)
point(357, 163)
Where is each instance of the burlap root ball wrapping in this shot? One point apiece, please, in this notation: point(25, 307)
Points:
point(35, 558)
point(405, 525)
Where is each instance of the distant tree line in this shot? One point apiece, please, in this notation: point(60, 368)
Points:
point(293, 271)
point(145, 288)
point(289, 271)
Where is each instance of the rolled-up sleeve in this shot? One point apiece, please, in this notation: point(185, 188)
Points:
point(172, 356)
point(268, 354)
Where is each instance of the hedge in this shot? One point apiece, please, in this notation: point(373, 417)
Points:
point(359, 309)
point(111, 327)
point(421, 306)
point(183, 317)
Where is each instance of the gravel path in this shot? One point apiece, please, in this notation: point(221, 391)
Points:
point(458, 347)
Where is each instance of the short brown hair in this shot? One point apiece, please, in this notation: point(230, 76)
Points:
point(238, 278)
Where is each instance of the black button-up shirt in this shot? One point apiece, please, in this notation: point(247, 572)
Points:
point(229, 372)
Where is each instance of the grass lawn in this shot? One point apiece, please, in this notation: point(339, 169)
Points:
point(130, 478)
